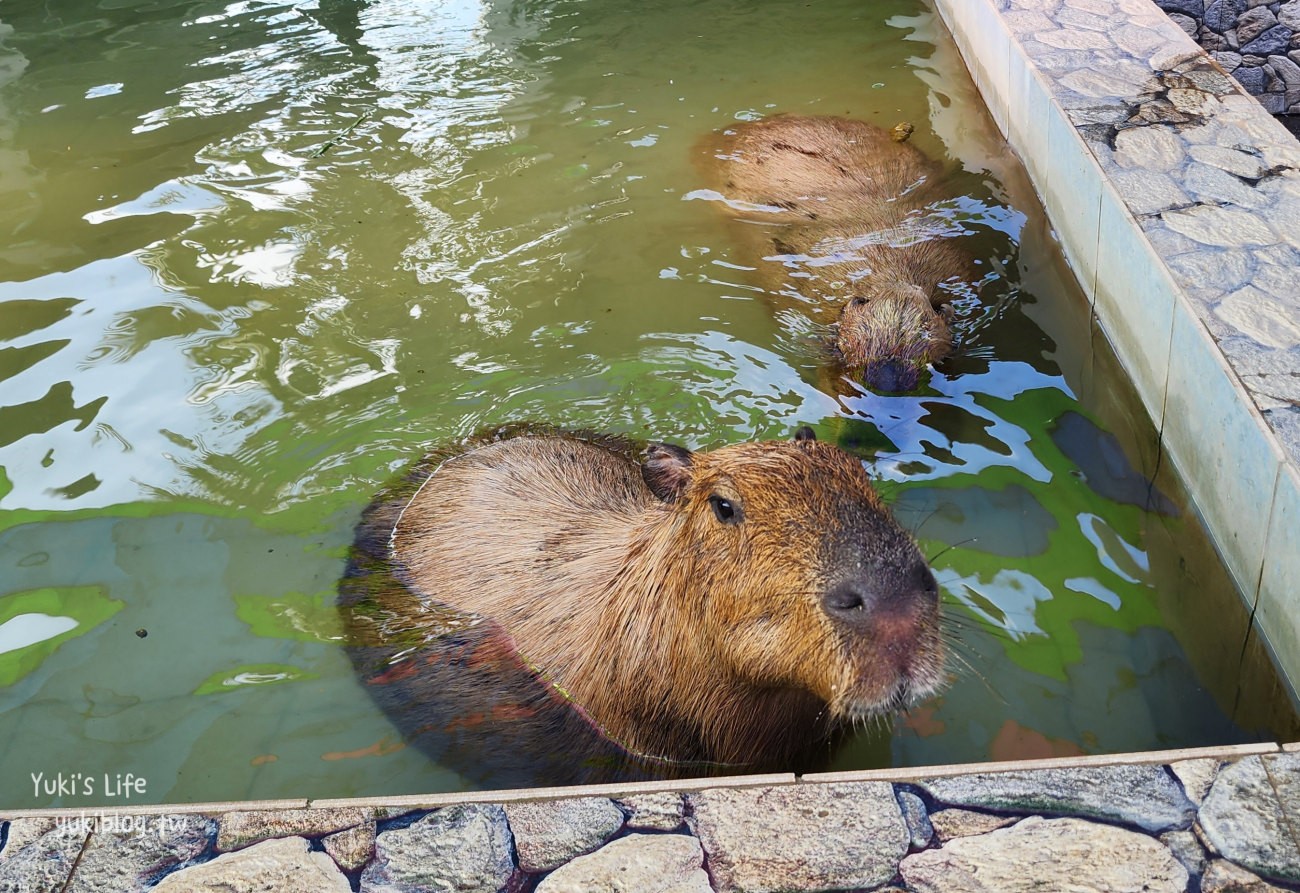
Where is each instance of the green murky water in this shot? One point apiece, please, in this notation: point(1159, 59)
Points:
point(255, 257)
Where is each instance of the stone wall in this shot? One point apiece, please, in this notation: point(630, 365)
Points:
point(1255, 41)
point(1211, 821)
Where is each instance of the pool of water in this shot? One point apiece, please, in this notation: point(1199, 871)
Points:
point(256, 257)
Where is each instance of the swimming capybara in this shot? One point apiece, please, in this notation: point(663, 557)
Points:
point(719, 610)
point(835, 215)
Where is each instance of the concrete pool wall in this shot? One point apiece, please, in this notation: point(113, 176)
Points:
point(1176, 198)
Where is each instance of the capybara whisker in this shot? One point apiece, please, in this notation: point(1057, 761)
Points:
point(988, 686)
point(950, 547)
point(630, 610)
point(955, 619)
point(915, 530)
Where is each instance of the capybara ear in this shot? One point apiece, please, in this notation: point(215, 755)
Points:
point(804, 434)
point(667, 470)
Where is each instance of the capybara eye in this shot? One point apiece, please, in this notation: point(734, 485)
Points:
point(724, 510)
point(858, 302)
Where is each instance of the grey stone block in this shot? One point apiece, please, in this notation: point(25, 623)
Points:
point(1229, 60)
point(654, 812)
point(1149, 192)
point(1273, 103)
point(645, 863)
point(131, 860)
point(549, 833)
point(353, 848)
point(1234, 161)
point(1186, 849)
point(1287, 70)
point(283, 865)
point(241, 828)
point(1225, 271)
point(1149, 148)
point(1144, 796)
point(462, 848)
point(1256, 314)
point(1253, 23)
point(1242, 818)
point(1289, 14)
point(809, 837)
point(22, 832)
point(1222, 227)
point(1040, 854)
point(1275, 40)
point(1224, 877)
point(951, 823)
point(44, 863)
point(1251, 78)
point(1212, 185)
point(918, 823)
point(1221, 15)
point(1193, 8)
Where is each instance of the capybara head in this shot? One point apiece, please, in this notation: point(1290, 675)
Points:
point(891, 332)
point(801, 577)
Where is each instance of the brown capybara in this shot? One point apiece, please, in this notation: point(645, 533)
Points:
point(834, 213)
point(731, 607)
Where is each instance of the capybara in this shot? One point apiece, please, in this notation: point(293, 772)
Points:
point(835, 215)
point(723, 609)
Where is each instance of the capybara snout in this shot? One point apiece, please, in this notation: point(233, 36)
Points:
point(866, 600)
point(835, 215)
point(892, 335)
point(731, 606)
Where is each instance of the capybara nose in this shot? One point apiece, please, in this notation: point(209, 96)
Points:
point(879, 602)
point(849, 602)
point(891, 376)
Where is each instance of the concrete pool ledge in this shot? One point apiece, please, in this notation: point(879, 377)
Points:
point(1208, 819)
point(1176, 198)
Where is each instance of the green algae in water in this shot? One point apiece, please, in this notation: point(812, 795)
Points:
point(238, 339)
point(252, 674)
point(35, 623)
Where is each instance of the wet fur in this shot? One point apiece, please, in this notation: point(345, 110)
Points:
point(673, 639)
point(828, 209)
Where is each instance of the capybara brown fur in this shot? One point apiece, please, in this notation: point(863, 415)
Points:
point(834, 213)
point(730, 607)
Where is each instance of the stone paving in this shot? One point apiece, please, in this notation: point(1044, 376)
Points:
point(1213, 181)
point(1212, 821)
